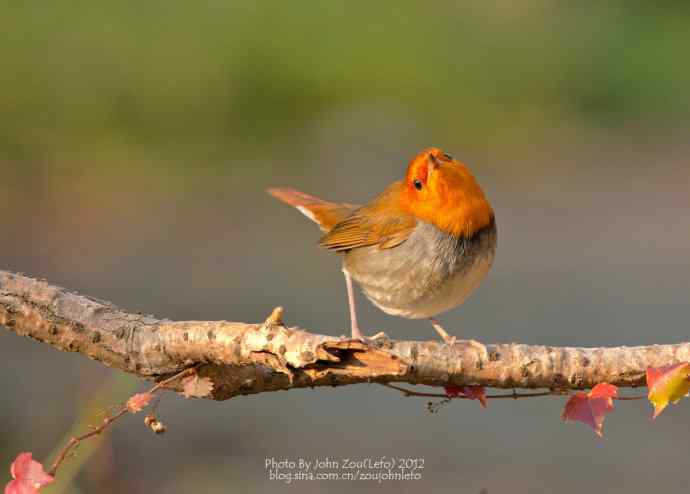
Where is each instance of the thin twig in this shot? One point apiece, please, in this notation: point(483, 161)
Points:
point(74, 442)
point(514, 395)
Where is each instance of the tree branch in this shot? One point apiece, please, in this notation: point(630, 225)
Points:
point(242, 358)
point(109, 421)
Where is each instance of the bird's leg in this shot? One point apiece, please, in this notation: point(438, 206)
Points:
point(356, 333)
point(451, 340)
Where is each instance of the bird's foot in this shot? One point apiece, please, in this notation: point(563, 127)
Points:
point(452, 340)
point(378, 336)
point(477, 345)
point(448, 339)
point(378, 339)
point(356, 333)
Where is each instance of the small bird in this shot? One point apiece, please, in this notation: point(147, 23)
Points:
point(419, 248)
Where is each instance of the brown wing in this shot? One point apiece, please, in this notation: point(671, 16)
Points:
point(381, 222)
point(326, 214)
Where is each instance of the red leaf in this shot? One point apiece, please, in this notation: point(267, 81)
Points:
point(138, 402)
point(591, 408)
point(667, 384)
point(28, 476)
point(469, 392)
point(604, 390)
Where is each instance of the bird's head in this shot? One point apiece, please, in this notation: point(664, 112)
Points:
point(441, 190)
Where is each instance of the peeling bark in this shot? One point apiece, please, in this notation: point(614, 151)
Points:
point(245, 358)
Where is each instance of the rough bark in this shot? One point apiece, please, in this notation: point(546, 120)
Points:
point(245, 358)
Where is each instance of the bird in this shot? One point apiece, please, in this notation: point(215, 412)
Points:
point(419, 248)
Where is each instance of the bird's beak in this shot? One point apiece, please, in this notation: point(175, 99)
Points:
point(433, 164)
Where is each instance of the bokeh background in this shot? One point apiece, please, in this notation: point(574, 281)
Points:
point(136, 141)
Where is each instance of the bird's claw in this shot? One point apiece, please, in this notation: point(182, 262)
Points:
point(452, 340)
point(379, 339)
point(477, 345)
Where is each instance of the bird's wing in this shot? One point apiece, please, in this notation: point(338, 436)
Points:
point(382, 222)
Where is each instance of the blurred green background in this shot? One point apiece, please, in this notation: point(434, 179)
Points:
point(136, 139)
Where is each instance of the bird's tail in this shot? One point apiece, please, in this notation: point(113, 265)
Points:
point(326, 214)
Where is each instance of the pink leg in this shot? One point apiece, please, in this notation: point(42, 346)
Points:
point(356, 333)
point(450, 340)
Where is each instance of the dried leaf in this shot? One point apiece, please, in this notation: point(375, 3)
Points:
point(155, 425)
point(197, 387)
point(667, 384)
point(591, 408)
point(138, 402)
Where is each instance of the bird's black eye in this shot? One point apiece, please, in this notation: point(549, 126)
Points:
point(447, 156)
point(417, 184)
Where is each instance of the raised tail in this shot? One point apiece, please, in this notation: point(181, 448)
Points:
point(326, 214)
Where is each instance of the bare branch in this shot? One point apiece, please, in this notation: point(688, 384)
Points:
point(508, 396)
point(107, 422)
point(513, 396)
point(242, 358)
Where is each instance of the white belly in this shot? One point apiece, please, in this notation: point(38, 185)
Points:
point(430, 273)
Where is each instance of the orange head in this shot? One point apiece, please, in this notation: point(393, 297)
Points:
point(440, 190)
